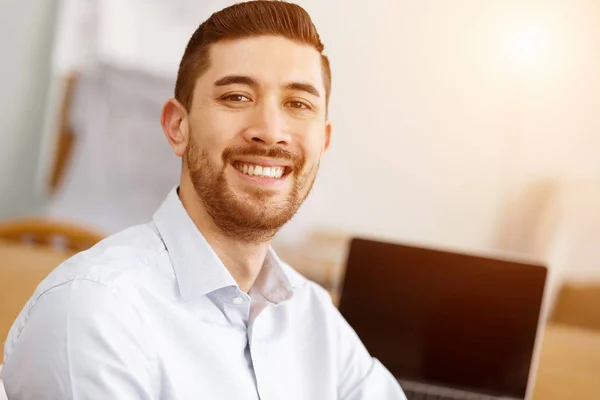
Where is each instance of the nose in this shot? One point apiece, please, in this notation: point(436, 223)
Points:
point(267, 127)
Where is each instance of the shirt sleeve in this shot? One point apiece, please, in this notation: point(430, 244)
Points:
point(362, 376)
point(80, 341)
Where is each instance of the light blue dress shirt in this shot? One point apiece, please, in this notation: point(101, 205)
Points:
point(152, 313)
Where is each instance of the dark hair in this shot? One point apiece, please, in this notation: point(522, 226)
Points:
point(242, 20)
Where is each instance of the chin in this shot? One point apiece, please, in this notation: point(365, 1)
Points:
point(263, 208)
point(260, 195)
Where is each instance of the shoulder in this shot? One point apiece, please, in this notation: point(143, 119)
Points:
point(103, 278)
point(69, 332)
point(118, 258)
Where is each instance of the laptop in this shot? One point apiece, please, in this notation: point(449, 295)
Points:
point(446, 325)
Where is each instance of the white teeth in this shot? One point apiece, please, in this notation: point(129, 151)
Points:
point(258, 170)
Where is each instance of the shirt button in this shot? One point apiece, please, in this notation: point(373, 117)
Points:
point(237, 301)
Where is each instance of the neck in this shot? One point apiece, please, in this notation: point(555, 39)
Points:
point(243, 260)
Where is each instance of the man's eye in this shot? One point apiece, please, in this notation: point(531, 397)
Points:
point(299, 105)
point(236, 98)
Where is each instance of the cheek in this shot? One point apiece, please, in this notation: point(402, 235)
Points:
point(312, 143)
point(215, 131)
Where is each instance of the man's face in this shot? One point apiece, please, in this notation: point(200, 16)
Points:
point(257, 131)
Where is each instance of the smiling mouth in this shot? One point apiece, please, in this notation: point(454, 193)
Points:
point(273, 172)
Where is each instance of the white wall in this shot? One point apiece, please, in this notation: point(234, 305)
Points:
point(419, 125)
point(442, 121)
point(26, 29)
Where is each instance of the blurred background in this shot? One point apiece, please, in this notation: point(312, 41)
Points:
point(470, 125)
point(467, 125)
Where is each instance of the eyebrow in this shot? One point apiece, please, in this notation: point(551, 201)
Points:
point(236, 79)
point(305, 87)
point(246, 80)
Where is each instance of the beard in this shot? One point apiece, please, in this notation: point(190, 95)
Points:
point(253, 217)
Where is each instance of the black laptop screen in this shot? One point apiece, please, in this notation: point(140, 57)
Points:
point(444, 318)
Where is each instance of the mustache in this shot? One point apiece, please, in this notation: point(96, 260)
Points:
point(272, 152)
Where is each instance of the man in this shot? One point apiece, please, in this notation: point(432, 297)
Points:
point(195, 304)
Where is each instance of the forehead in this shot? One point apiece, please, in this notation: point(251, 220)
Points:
point(271, 60)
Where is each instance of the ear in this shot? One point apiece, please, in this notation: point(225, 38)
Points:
point(327, 136)
point(174, 121)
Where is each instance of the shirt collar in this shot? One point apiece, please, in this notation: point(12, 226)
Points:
point(197, 267)
point(272, 282)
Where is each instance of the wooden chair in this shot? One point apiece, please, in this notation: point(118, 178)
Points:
point(61, 236)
